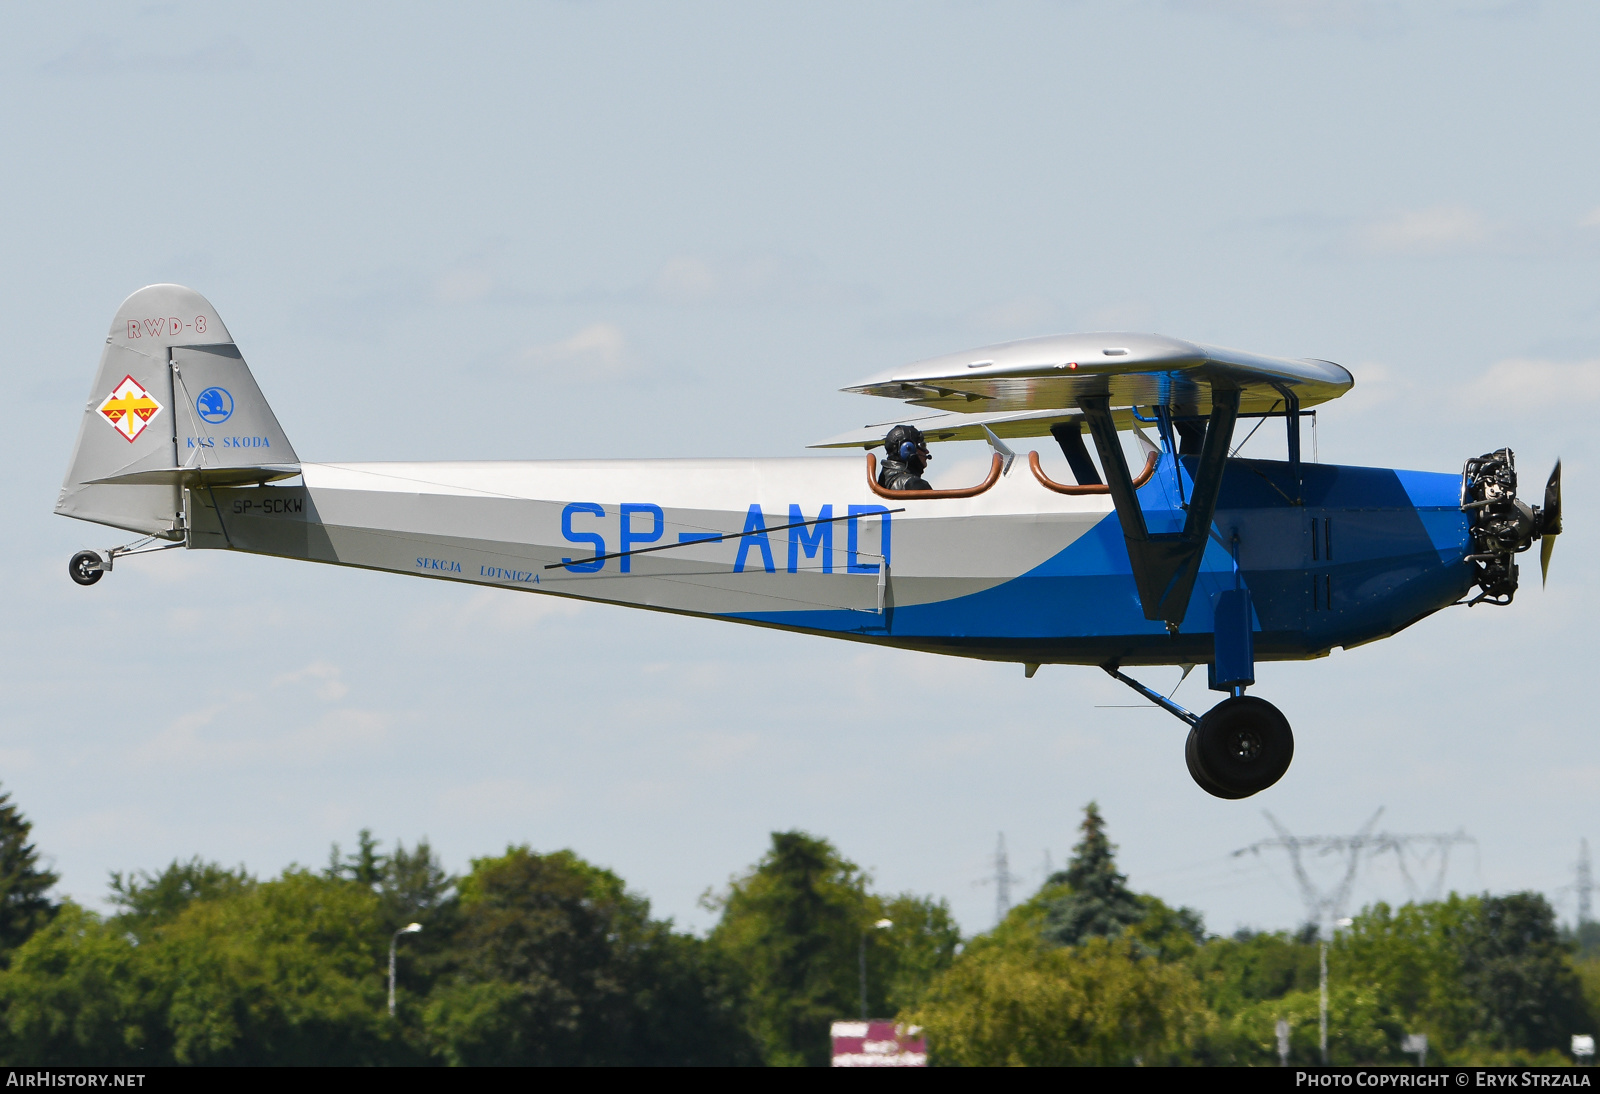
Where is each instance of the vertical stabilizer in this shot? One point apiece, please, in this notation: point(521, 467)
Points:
point(173, 405)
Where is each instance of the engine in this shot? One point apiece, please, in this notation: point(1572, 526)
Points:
point(1501, 524)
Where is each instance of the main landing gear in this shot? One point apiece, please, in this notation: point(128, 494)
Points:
point(1238, 748)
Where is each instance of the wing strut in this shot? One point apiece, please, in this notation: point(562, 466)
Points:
point(1165, 563)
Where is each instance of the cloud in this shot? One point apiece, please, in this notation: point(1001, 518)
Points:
point(687, 280)
point(1024, 315)
point(330, 686)
point(1514, 385)
point(1357, 15)
point(1455, 230)
point(1123, 315)
point(505, 801)
point(757, 278)
point(273, 725)
point(1522, 384)
point(1437, 230)
point(463, 285)
point(600, 349)
point(503, 610)
point(105, 54)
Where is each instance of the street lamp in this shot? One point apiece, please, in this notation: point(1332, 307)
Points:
point(409, 928)
point(1322, 1016)
point(881, 925)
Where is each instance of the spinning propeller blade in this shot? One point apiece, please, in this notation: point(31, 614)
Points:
point(1550, 522)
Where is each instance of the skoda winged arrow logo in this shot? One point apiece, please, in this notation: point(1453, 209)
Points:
point(215, 405)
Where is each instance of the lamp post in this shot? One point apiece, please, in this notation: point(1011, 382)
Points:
point(409, 928)
point(1322, 1017)
point(881, 925)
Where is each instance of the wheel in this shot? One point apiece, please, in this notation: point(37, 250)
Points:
point(85, 568)
point(1240, 747)
point(1191, 757)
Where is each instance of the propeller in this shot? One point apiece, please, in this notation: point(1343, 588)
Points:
point(1550, 522)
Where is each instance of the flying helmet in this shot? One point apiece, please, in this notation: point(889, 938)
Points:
point(905, 443)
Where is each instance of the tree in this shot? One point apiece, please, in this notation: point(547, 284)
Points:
point(288, 971)
point(148, 901)
point(555, 962)
point(912, 954)
point(1515, 966)
point(24, 886)
point(1097, 902)
point(793, 927)
point(1019, 1000)
point(75, 994)
point(365, 867)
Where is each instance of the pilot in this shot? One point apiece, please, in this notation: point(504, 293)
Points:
point(906, 456)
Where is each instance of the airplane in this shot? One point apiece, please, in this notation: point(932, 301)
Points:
point(1195, 557)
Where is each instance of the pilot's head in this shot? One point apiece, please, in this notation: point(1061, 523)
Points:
point(907, 444)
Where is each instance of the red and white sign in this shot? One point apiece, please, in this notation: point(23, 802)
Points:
point(878, 1044)
point(129, 408)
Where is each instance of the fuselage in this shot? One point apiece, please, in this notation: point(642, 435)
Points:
point(1017, 573)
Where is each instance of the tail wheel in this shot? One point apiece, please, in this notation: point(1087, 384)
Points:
point(85, 568)
point(1239, 747)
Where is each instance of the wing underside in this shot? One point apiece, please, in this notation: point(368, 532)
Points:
point(1021, 389)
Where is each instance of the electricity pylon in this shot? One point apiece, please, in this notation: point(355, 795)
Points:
point(1324, 908)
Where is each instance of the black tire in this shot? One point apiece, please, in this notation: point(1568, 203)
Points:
point(1240, 747)
point(1191, 749)
point(85, 568)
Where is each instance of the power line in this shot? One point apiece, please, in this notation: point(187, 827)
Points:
point(1325, 906)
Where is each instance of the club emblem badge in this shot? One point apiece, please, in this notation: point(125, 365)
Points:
point(129, 408)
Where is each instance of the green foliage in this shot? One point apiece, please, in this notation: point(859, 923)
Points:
point(1486, 978)
point(1024, 1001)
point(547, 959)
point(289, 971)
point(554, 962)
point(285, 971)
point(1250, 967)
point(1588, 971)
point(1096, 902)
point(74, 994)
point(1585, 941)
point(795, 928)
point(412, 887)
point(149, 900)
point(1085, 972)
point(24, 885)
point(1519, 973)
point(910, 956)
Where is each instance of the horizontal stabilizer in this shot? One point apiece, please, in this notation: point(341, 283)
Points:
point(202, 476)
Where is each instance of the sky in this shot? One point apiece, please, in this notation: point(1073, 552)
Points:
point(542, 230)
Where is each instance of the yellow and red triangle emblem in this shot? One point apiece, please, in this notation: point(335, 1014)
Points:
point(129, 408)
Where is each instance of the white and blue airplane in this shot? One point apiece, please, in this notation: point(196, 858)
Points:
point(1194, 558)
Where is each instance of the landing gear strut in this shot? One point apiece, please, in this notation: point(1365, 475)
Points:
point(87, 567)
point(1238, 748)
